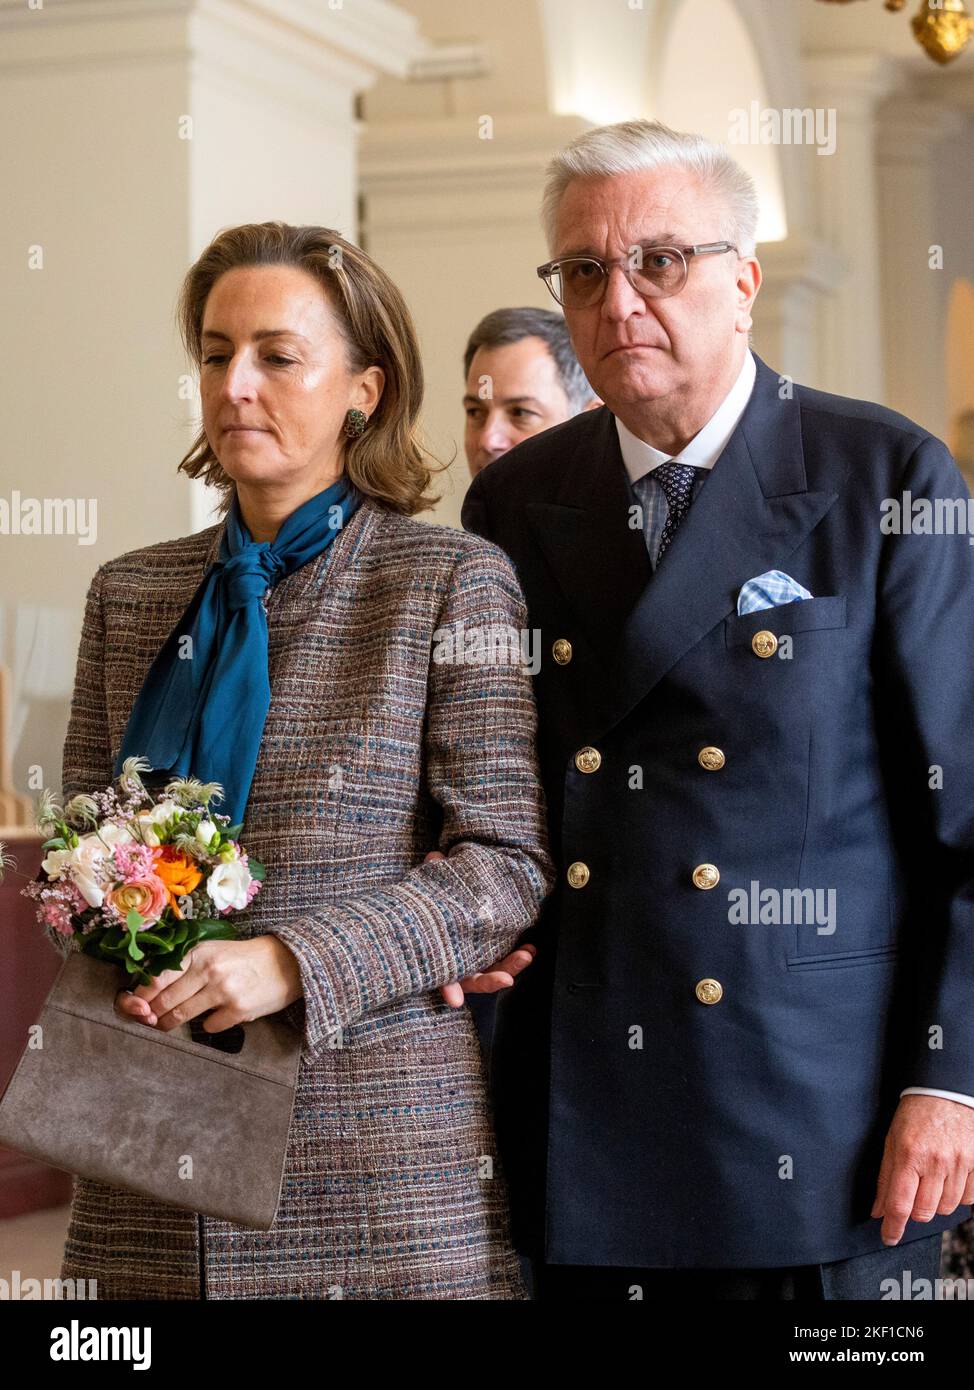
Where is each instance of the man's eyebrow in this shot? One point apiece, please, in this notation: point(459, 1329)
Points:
point(504, 400)
point(261, 333)
point(662, 239)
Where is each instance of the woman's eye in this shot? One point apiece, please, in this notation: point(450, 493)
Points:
point(274, 357)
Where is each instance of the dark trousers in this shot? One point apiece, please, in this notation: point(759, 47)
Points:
point(858, 1278)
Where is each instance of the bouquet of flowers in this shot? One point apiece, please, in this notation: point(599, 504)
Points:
point(140, 878)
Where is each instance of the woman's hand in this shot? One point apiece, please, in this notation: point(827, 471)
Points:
point(241, 980)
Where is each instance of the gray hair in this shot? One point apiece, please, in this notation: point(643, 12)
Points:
point(505, 326)
point(630, 147)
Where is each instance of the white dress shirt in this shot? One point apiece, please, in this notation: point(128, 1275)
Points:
point(703, 451)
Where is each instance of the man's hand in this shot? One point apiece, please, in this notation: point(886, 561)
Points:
point(500, 975)
point(241, 980)
point(928, 1163)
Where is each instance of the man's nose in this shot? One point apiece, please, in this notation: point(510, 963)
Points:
point(495, 435)
point(620, 299)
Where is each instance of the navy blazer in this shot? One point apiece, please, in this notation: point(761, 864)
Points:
point(680, 1081)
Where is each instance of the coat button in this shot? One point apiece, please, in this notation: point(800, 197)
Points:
point(578, 874)
point(711, 758)
point(562, 651)
point(764, 643)
point(706, 876)
point(709, 991)
point(588, 760)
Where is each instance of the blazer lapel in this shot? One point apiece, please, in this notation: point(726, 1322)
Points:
point(598, 560)
point(751, 514)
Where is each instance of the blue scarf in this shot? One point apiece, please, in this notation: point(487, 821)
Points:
point(203, 715)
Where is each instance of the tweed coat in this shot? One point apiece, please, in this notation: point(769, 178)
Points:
point(391, 1186)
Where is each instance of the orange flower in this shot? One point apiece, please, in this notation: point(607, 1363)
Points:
point(179, 874)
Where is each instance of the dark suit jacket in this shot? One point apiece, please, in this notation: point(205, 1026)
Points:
point(639, 1125)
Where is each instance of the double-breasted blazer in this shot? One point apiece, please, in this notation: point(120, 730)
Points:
point(373, 754)
point(682, 1078)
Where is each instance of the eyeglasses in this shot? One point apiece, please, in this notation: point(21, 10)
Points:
point(656, 272)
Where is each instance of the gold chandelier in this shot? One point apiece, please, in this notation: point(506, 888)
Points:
point(942, 28)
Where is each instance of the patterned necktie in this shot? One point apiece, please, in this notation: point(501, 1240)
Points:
point(676, 480)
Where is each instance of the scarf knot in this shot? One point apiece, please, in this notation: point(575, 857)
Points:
point(204, 716)
point(249, 573)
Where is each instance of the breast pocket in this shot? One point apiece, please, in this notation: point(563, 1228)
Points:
point(776, 632)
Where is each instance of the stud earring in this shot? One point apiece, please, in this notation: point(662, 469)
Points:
point(355, 423)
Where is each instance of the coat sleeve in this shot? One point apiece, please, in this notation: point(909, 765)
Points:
point(86, 763)
point(926, 698)
point(451, 917)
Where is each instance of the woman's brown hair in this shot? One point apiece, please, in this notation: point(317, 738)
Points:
point(388, 462)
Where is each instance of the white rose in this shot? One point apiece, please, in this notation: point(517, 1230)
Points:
point(93, 895)
point(111, 834)
point(205, 832)
point(55, 862)
point(144, 829)
point(227, 885)
point(88, 854)
point(163, 810)
point(83, 863)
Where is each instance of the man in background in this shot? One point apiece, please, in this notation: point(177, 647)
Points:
point(522, 377)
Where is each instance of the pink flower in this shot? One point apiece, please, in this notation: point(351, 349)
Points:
point(56, 915)
point(147, 896)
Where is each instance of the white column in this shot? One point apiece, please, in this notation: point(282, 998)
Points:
point(133, 130)
point(799, 278)
point(915, 287)
point(846, 203)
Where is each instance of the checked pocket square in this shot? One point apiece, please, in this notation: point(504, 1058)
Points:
point(769, 590)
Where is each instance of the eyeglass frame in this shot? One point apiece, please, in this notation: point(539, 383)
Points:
point(686, 253)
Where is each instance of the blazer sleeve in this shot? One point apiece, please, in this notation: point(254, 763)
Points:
point(86, 763)
point(925, 685)
point(451, 917)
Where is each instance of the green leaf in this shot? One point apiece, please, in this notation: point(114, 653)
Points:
point(134, 920)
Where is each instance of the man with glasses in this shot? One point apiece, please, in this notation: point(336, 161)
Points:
point(741, 1064)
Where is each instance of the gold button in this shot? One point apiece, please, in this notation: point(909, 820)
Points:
point(578, 874)
point(764, 643)
point(709, 991)
point(711, 758)
point(562, 651)
point(706, 875)
point(588, 760)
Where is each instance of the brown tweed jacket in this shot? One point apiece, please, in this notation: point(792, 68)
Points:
point(373, 754)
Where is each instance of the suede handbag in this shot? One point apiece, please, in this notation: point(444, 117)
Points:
point(198, 1120)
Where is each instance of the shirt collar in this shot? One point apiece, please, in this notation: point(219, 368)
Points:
point(706, 447)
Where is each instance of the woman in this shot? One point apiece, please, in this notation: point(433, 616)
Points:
point(314, 696)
